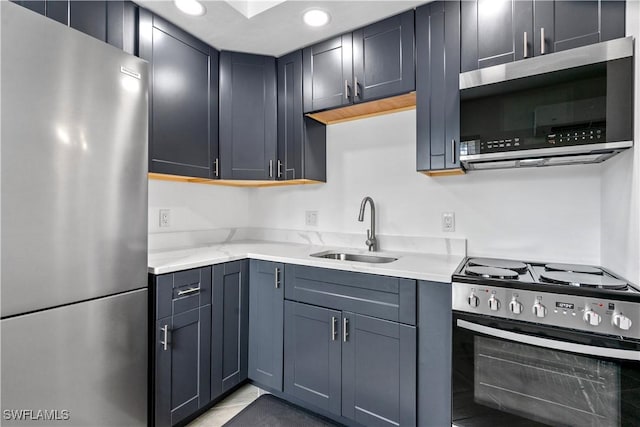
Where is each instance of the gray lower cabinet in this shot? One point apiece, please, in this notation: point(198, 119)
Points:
point(340, 358)
point(378, 371)
point(312, 352)
point(266, 311)
point(182, 362)
point(434, 354)
point(230, 332)
point(181, 344)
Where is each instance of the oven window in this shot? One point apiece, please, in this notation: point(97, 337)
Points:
point(545, 385)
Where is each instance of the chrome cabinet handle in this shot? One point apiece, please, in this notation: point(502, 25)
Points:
point(453, 150)
point(334, 332)
point(355, 87)
point(542, 47)
point(526, 47)
point(165, 333)
point(215, 168)
point(346, 89)
point(277, 278)
point(270, 168)
point(279, 169)
point(345, 329)
point(188, 291)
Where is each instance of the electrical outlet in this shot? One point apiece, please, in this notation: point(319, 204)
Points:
point(448, 221)
point(311, 218)
point(165, 218)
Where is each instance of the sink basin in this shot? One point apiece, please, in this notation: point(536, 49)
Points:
point(345, 256)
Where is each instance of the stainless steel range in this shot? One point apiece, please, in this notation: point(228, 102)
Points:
point(544, 344)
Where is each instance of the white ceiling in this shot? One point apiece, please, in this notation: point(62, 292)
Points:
point(278, 30)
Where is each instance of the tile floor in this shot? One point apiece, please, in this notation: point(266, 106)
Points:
point(228, 408)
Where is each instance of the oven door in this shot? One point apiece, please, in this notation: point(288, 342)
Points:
point(506, 373)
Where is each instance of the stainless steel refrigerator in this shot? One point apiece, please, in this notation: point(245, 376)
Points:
point(73, 227)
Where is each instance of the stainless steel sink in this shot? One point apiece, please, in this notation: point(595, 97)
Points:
point(345, 256)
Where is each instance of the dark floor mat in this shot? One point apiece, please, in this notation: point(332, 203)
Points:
point(270, 411)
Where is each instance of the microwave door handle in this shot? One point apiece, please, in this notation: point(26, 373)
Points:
point(587, 350)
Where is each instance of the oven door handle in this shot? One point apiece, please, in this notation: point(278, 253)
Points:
point(588, 350)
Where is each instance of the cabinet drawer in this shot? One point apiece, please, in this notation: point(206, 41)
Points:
point(384, 297)
point(182, 291)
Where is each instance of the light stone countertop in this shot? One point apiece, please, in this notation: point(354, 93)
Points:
point(411, 265)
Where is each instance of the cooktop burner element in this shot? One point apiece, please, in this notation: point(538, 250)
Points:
point(571, 268)
point(491, 272)
point(517, 266)
point(582, 279)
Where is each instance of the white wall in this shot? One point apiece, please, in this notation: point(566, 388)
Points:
point(197, 206)
point(621, 187)
point(546, 214)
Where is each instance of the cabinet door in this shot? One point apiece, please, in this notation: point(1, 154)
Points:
point(495, 32)
point(434, 354)
point(312, 348)
point(266, 311)
point(569, 24)
point(438, 61)
point(229, 326)
point(378, 371)
point(327, 74)
point(290, 117)
point(122, 24)
point(37, 6)
point(182, 365)
point(182, 99)
point(248, 116)
point(90, 17)
point(383, 58)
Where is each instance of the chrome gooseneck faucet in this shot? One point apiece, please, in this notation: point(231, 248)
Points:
point(372, 242)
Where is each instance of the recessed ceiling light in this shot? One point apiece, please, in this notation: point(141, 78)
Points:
point(190, 7)
point(315, 17)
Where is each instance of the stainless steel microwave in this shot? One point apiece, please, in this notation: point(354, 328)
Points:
point(568, 107)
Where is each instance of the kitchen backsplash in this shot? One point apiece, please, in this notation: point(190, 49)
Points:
point(159, 242)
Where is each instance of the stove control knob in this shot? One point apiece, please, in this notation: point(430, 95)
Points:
point(515, 306)
point(473, 300)
point(591, 317)
point(539, 310)
point(621, 321)
point(494, 303)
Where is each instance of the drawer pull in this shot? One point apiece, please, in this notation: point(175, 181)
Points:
point(188, 291)
point(334, 332)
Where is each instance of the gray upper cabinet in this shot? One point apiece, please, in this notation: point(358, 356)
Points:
point(374, 62)
point(229, 344)
point(112, 21)
point(248, 116)
point(183, 99)
point(302, 150)
point(438, 95)
point(562, 25)
point(498, 32)
point(312, 353)
point(383, 58)
point(328, 71)
point(378, 371)
point(266, 310)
